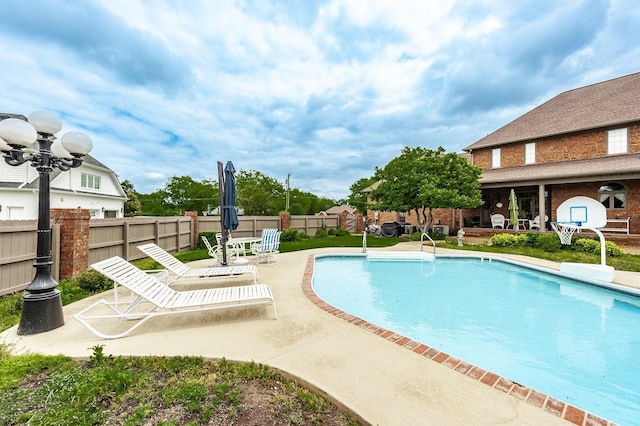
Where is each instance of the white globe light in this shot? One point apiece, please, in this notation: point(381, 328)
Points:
point(45, 122)
point(77, 143)
point(59, 151)
point(4, 146)
point(17, 132)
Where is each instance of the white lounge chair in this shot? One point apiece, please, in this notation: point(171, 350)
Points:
point(497, 221)
point(152, 298)
point(181, 271)
point(268, 246)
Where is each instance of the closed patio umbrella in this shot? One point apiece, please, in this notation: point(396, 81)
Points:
point(513, 211)
point(228, 215)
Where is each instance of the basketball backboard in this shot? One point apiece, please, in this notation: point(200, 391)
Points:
point(582, 211)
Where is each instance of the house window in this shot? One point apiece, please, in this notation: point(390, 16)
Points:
point(89, 181)
point(613, 196)
point(617, 141)
point(495, 158)
point(530, 153)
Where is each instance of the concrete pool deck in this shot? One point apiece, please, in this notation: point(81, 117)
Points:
point(382, 381)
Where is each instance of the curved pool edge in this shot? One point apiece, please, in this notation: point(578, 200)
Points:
point(530, 396)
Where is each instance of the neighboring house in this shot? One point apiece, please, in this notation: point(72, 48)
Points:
point(216, 211)
point(337, 210)
point(92, 186)
point(584, 141)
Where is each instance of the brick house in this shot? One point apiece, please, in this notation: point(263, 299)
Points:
point(584, 141)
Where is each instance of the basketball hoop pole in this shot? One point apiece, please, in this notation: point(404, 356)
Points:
point(603, 246)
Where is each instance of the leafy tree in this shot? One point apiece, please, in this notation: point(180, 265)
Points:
point(421, 179)
point(296, 209)
point(180, 194)
point(132, 206)
point(311, 203)
point(183, 193)
point(259, 194)
point(357, 198)
point(153, 204)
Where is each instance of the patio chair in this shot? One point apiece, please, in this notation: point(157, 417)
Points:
point(268, 246)
point(497, 221)
point(152, 298)
point(535, 223)
point(216, 251)
point(182, 271)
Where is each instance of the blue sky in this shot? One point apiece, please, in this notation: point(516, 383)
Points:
point(324, 90)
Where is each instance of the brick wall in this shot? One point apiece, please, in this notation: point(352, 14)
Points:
point(574, 146)
point(74, 240)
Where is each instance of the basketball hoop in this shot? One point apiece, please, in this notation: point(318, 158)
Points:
point(565, 230)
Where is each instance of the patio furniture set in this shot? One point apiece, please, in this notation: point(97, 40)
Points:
point(152, 295)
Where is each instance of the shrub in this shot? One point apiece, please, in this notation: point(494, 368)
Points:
point(211, 236)
point(321, 233)
point(548, 242)
point(522, 240)
point(416, 236)
point(291, 234)
point(531, 239)
point(613, 250)
point(589, 245)
point(438, 236)
point(92, 282)
point(504, 240)
point(339, 232)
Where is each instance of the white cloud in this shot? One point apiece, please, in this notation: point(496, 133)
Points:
point(324, 90)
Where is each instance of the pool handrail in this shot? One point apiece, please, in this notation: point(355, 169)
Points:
point(364, 241)
point(424, 234)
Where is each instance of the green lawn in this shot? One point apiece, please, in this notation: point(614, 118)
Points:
point(45, 390)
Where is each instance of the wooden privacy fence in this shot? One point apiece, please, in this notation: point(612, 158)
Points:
point(78, 241)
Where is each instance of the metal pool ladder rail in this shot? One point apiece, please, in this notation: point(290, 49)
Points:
point(424, 234)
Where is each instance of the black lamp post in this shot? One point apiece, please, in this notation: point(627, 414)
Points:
point(42, 306)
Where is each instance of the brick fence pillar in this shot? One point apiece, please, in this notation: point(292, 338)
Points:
point(285, 220)
point(74, 240)
point(343, 220)
point(194, 221)
point(359, 222)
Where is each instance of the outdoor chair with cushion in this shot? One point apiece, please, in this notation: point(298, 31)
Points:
point(152, 298)
point(535, 223)
point(497, 221)
point(181, 271)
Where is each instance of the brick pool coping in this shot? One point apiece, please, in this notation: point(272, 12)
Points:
point(552, 405)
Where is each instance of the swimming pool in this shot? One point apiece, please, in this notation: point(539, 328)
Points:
point(576, 342)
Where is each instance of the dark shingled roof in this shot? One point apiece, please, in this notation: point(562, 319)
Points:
point(610, 103)
point(593, 169)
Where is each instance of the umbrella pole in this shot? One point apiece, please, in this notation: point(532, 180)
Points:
point(223, 240)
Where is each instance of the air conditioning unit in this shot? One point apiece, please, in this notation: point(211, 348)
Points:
point(442, 229)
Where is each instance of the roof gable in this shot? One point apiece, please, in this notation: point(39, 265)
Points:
point(610, 103)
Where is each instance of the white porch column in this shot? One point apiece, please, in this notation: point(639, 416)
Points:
point(542, 209)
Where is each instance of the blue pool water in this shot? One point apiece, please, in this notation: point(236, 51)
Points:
point(576, 342)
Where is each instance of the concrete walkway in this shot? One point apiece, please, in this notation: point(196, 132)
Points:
point(381, 381)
